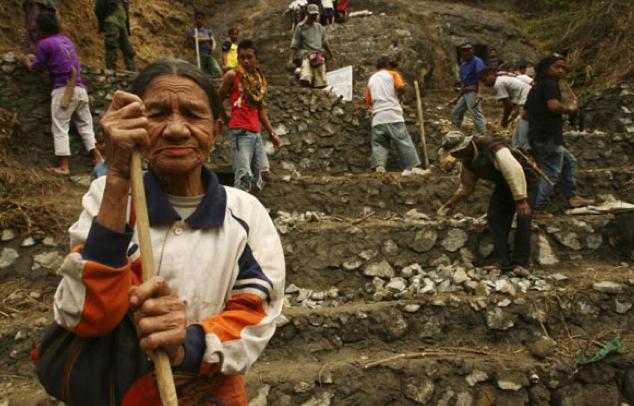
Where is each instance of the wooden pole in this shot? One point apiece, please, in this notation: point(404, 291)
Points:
point(69, 90)
point(164, 377)
point(421, 123)
point(197, 49)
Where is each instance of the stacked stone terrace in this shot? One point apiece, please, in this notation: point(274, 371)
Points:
point(372, 273)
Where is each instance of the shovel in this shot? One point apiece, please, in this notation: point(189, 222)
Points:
point(164, 377)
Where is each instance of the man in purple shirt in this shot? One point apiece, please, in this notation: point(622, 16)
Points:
point(57, 55)
point(468, 99)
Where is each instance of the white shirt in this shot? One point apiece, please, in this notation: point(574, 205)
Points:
point(297, 4)
point(529, 80)
point(327, 4)
point(513, 88)
point(383, 97)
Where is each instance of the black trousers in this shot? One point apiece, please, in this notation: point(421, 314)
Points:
point(500, 219)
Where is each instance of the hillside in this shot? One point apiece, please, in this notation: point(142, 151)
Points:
point(385, 302)
point(158, 26)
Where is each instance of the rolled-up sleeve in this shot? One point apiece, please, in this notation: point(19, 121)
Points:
point(513, 173)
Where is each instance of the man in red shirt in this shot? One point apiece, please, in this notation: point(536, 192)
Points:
point(246, 89)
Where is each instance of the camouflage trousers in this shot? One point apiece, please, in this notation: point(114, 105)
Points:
point(209, 65)
point(117, 38)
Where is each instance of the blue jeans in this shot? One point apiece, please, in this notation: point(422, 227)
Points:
point(520, 136)
point(555, 161)
point(467, 102)
point(248, 159)
point(395, 134)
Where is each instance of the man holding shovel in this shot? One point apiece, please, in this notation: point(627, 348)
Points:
point(204, 39)
point(212, 309)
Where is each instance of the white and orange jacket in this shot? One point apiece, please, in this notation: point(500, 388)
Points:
point(225, 261)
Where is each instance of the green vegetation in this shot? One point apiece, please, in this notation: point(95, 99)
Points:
point(595, 35)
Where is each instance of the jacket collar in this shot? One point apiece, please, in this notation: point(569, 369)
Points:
point(209, 214)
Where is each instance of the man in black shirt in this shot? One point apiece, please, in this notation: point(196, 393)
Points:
point(545, 117)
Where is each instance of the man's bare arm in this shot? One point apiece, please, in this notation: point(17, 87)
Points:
point(225, 87)
point(508, 108)
point(556, 106)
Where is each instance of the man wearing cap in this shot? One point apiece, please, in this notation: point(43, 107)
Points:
point(515, 190)
point(512, 92)
point(388, 125)
point(467, 99)
point(308, 45)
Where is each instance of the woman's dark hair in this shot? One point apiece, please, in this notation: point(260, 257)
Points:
point(47, 23)
point(248, 44)
point(180, 68)
point(541, 70)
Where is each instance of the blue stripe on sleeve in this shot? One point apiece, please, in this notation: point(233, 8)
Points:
point(106, 246)
point(249, 267)
point(195, 347)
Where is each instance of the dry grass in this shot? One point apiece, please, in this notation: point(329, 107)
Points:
point(597, 37)
point(24, 192)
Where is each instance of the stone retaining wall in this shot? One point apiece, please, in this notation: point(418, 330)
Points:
point(28, 93)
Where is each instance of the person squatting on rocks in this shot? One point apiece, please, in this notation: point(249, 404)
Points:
point(512, 93)
point(230, 50)
point(57, 54)
point(467, 99)
point(388, 125)
point(308, 45)
point(114, 21)
point(246, 89)
point(515, 190)
point(33, 8)
point(220, 261)
point(545, 117)
point(206, 45)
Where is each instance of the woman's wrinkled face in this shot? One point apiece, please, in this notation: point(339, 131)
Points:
point(181, 125)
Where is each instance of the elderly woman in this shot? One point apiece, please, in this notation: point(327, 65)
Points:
point(219, 260)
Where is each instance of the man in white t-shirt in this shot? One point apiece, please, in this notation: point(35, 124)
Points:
point(388, 124)
point(512, 92)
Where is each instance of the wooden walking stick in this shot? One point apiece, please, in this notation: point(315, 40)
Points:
point(421, 123)
point(197, 49)
point(164, 377)
point(69, 89)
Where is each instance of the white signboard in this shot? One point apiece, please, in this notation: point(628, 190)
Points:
point(340, 82)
